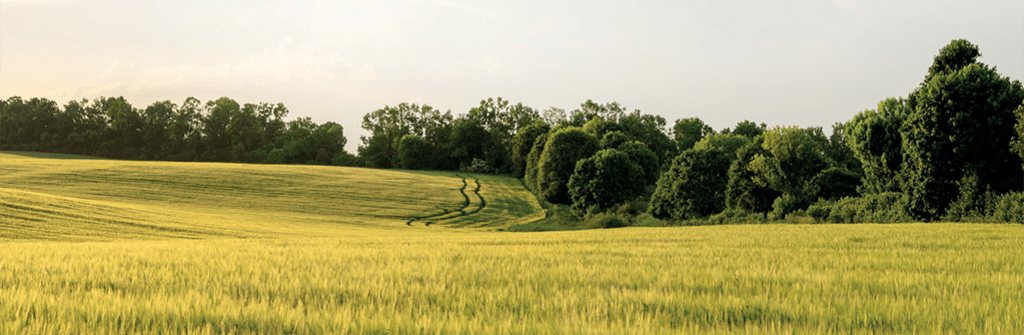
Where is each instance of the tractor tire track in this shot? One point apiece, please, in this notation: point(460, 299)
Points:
point(464, 211)
point(461, 211)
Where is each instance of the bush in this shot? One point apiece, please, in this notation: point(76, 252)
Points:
point(605, 220)
point(1008, 207)
point(888, 207)
point(478, 166)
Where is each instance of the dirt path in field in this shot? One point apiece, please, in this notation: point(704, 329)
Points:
point(431, 219)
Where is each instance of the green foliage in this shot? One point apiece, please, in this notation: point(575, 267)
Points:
point(747, 129)
point(387, 126)
point(743, 192)
point(886, 207)
point(957, 55)
point(1007, 207)
point(644, 158)
point(614, 139)
point(564, 147)
point(875, 139)
point(607, 178)
point(650, 129)
point(1017, 145)
point(469, 140)
point(794, 156)
point(605, 220)
point(694, 186)
point(834, 183)
point(689, 131)
point(962, 123)
point(533, 163)
point(414, 153)
point(522, 144)
point(728, 143)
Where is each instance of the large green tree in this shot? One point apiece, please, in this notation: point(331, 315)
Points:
point(563, 148)
point(693, 187)
point(875, 139)
point(415, 153)
point(961, 126)
point(794, 156)
point(607, 178)
point(533, 162)
point(689, 131)
point(522, 143)
point(742, 191)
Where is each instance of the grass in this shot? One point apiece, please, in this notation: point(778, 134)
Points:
point(88, 199)
point(270, 268)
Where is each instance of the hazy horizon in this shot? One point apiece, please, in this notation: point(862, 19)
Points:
point(805, 63)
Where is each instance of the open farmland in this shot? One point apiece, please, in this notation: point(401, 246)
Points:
point(98, 246)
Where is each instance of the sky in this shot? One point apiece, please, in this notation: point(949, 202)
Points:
point(785, 62)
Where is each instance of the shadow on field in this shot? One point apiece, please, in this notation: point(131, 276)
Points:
point(29, 154)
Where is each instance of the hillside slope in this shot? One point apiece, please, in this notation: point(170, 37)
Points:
point(53, 197)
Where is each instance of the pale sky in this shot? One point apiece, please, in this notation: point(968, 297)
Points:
point(787, 62)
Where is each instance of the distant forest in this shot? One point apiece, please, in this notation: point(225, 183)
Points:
point(951, 150)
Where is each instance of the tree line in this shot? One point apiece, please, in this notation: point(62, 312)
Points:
point(220, 130)
point(951, 150)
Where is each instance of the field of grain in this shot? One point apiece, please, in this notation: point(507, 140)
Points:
point(270, 261)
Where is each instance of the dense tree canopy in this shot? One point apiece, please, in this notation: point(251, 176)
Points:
point(609, 177)
point(563, 148)
point(961, 124)
point(693, 187)
point(944, 151)
point(220, 130)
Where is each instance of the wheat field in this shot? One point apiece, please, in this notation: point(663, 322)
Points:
point(101, 247)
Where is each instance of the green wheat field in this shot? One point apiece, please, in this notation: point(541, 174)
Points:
point(91, 246)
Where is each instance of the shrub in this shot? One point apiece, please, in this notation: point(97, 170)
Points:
point(1008, 207)
point(888, 207)
point(605, 220)
point(603, 180)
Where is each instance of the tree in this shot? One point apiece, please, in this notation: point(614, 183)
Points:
point(644, 158)
point(794, 157)
point(533, 162)
point(748, 129)
point(589, 109)
point(414, 153)
point(125, 133)
point(328, 142)
point(961, 124)
point(387, 126)
point(185, 132)
point(564, 147)
point(742, 191)
point(689, 131)
point(614, 139)
point(1018, 142)
point(247, 136)
point(693, 187)
point(157, 119)
point(554, 116)
point(650, 129)
point(607, 178)
point(470, 140)
point(874, 138)
point(215, 128)
point(728, 143)
point(522, 143)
